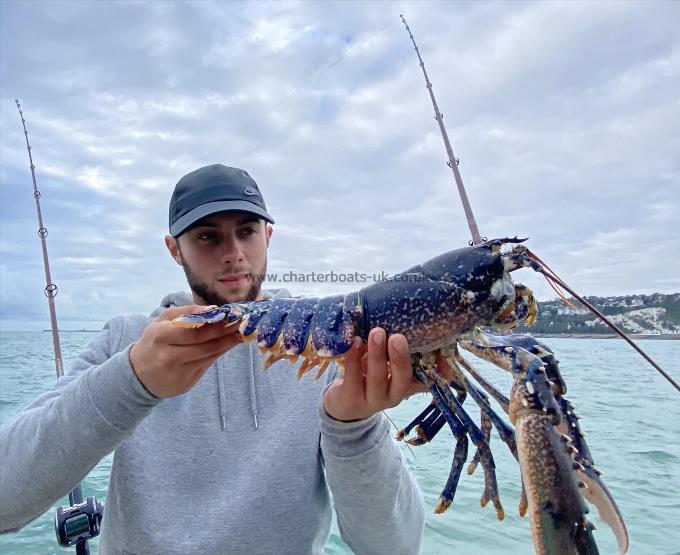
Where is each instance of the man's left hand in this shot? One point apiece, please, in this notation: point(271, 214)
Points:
point(375, 379)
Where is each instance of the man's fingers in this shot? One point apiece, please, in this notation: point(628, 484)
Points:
point(219, 346)
point(185, 356)
point(400, 368)
point(173, 335)
point(211, 349)
point(353, 377)
point(376, 376)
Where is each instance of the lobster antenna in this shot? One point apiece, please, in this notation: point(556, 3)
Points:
point(550, 275)
point(453, 161)
point(50, 288)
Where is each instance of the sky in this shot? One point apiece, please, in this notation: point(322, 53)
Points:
point(564, 117)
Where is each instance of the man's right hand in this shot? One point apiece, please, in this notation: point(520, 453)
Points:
point(169, 360)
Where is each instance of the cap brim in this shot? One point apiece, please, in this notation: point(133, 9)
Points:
point(191, 217)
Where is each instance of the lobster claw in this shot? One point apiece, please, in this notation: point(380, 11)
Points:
point(596, 493)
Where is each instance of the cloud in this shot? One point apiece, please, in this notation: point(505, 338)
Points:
point(563, 120)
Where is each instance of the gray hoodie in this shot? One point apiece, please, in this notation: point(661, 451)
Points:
point(242, 463)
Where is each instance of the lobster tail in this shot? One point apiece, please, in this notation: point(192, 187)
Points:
point(318, 330)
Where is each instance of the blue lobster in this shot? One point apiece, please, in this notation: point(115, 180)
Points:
point(442, 306)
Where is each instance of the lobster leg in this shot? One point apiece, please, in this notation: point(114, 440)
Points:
point(488, 415)
point(429, 422)
point(428, 369)
point(429, 410)
point(485, 422)
point(459, 432)
point(501, 399)
point(535, 347)
point(505, 432)
point(428, 429)
point(485, 426)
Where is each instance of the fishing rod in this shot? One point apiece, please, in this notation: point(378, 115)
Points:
point(50, 288)
point(539, 265)
point(453, 161)
point(77, 524)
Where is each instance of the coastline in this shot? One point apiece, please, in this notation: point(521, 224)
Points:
point(662, 336)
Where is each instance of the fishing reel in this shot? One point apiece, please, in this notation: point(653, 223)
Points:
point(79, 522)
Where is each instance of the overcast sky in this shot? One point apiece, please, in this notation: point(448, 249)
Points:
point(565, 117)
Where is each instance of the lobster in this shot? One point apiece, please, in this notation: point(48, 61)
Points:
point(443, 306)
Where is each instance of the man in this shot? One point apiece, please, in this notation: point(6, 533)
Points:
point(212, 455)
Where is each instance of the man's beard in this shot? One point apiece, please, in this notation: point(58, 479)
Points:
point(211, 297)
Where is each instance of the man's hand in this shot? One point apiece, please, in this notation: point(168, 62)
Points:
point(169, 360)
point(375, 380)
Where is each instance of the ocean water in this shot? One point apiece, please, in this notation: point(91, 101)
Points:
point(630, 414)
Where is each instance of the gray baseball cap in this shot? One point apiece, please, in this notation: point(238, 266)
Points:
point(212, 189)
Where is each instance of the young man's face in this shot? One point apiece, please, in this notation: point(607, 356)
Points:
point(223, 255)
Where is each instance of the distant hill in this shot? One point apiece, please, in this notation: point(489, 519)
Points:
point(637, 314)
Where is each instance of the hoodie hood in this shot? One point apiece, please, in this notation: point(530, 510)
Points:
point(183, 298)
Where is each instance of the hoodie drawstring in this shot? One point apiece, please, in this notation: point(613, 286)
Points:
point(221, 391)
point(221, 401)
point(253, 394)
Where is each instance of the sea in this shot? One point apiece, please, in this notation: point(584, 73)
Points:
point(630, 414)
